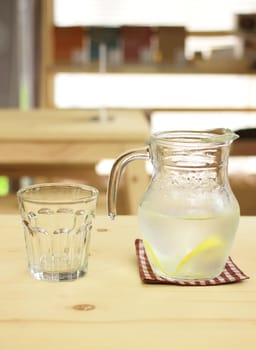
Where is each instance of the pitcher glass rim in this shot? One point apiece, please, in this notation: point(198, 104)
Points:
point(195, 138)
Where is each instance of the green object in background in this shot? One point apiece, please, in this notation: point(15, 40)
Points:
point(23, 97)
point(4, 185)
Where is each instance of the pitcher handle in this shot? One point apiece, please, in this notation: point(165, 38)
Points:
point(116, 173)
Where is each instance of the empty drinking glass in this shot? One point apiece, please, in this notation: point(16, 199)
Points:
point(57, 220)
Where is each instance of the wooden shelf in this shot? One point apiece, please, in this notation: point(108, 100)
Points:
point(204, 67)
point(49, 68)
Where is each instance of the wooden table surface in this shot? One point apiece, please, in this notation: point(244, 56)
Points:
point(29, 131)
point(125, 314)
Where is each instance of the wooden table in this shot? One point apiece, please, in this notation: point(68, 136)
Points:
point(67, 143)
point(127, 314)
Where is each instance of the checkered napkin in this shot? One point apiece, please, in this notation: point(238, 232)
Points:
point(230, 274)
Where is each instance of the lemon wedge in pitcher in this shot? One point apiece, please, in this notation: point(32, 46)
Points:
point(207, 247)
point(153, 257)
point(210, 245)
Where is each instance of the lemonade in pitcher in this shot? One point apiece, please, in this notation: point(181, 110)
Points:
point(192, 247)
point(188, 215)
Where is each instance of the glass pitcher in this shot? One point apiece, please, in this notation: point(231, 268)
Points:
point(188, 216)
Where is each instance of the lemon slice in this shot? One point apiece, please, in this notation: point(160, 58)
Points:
point(204, 247)
point(153, 258)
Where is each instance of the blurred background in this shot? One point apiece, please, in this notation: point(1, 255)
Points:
point(180, 64)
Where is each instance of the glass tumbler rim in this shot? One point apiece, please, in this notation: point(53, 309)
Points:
point(24, 193)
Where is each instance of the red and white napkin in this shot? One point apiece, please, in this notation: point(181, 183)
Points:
point(230, 274)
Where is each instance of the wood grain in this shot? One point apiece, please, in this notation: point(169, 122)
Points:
point(111, 309)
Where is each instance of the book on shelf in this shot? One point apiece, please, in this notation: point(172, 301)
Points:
point(109, 36)
point(136, 43)
point(69, 43)
point(124, 44)
point(171, 43)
